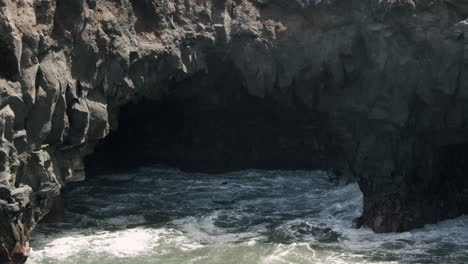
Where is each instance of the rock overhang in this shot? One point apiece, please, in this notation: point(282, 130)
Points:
point(389, 76)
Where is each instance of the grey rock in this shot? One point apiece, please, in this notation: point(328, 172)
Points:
point(7, 117)
point(390, 77)
point(20, 141)
point(79, 121)
point(22, 195)
point(98, 120)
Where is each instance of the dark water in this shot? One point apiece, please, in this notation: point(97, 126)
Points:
point(160, 215)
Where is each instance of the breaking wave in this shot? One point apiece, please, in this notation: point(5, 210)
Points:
point(161, 215)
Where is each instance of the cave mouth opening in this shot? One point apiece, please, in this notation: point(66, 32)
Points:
point(250, 133)
point(211, 122)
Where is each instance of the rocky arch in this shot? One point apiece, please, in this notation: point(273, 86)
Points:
point(209, 121)
point(357, 67)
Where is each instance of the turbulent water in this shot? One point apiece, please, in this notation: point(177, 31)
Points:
point(160, 215)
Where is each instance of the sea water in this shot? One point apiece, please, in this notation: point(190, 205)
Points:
point(162, 215)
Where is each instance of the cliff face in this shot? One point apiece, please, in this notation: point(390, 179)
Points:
point(387, 78)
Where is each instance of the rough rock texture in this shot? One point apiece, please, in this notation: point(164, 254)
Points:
point(389, 76)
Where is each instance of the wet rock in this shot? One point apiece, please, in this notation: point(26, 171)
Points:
point(56, 211)
point(358, 222)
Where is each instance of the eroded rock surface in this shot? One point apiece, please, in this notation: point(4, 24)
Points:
point(389, 76)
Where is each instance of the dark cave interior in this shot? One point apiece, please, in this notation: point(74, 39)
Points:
point(209, 122)
point(189, 135)
point(451, 183)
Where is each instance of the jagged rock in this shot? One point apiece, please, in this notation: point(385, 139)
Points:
point(49, 83)
point(22, 195)
point(20, 141)
point(79, 122)
point(10, 95)
point(10, 44)
point(13, 208)
point(7, 117)
point(386, 81)
point(98, 120)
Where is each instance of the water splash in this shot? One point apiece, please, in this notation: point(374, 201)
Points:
point(160, 215)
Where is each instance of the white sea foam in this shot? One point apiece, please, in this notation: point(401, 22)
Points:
point(305, 3)
point(249, 217)
point(119, 244)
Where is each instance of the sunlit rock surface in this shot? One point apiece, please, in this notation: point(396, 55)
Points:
point(389, 78)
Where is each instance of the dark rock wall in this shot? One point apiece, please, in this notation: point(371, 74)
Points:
point(385, 80)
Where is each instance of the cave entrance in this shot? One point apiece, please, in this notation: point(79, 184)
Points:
point(184, 133)
point(210, 122)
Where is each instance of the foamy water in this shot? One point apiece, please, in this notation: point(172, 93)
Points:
point(159, 215)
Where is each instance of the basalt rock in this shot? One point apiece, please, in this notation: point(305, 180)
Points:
point(385, 81)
